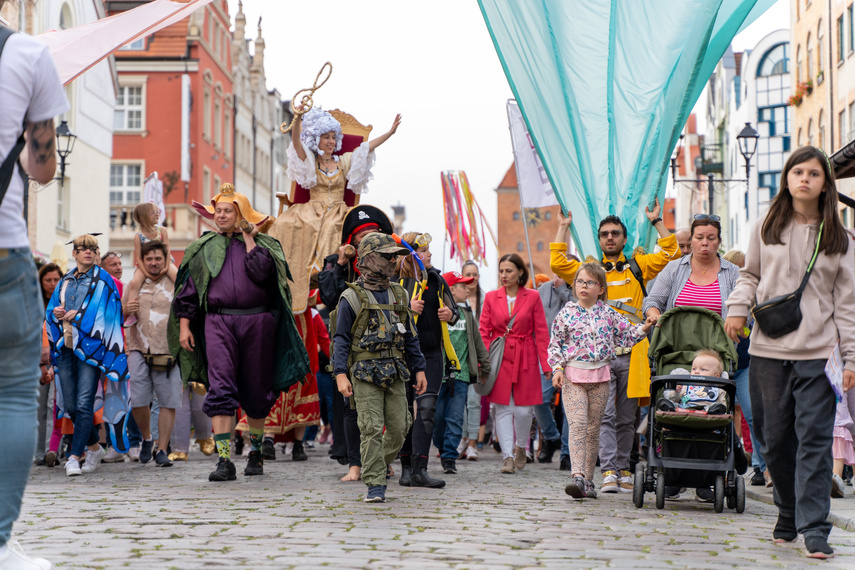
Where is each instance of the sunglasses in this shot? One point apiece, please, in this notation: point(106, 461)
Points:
point(615, 233)
point(387, 256)
point(92, 248)
point(712, 217)
point(110, 254)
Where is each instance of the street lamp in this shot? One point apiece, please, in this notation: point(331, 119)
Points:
point(675, 158)
point(64, 145)
point(747, 139)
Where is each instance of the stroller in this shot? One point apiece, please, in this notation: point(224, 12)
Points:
point(687, 449)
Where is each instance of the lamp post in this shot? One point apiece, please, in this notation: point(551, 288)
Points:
point(747, 139)
point(64, 145)
point(675, 159)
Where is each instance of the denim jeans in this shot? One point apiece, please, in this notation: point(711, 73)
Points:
point(20, 351)
point(448, 418)
point(79, 384)
point(543, 412)
point(743, 398)
point(326, 391)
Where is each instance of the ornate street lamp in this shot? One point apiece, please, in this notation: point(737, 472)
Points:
point(747, 139)
point(675, 158)
point(64, 145)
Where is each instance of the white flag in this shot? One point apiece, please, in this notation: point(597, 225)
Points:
point(535, 189)
point(153, 192)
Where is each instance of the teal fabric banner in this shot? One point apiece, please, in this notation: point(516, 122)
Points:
point(605, 88)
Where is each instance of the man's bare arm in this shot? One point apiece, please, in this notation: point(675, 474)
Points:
point(39, 156)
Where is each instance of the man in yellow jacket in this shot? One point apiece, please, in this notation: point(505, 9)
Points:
point(627, 280)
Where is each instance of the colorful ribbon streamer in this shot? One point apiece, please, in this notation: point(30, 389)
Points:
point(464, 219)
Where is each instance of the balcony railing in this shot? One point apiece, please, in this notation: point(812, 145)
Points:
point(712, 158)
point(183, 223)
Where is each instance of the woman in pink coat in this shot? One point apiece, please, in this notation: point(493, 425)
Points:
point(518, 385)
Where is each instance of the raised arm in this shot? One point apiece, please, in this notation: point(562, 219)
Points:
point(654, 215)
point(372, 144)
point(563, 227)
point(295, 137)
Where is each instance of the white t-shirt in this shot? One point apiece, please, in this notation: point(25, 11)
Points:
point(30, 91)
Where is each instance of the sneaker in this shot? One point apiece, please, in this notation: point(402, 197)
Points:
point(757, 480)
point(134, 453)
point(225, 471)
point(717, 409)
point(15, 558)
point(72, 468)
point(162, 460)
point(268, 450)
point(254, 464)
point(704, 495)
point(672, 493)
point(768, 479)
point(548, 450)
point(590, 492)
point(449, 466)
point(507, 465)
point(298, 454)
point(471, 454)
point(611, 482)
point(376, 494)
point(520, 458)
point(816, 546)
point(145, 451)
point(626, 483)
point(577, 487)
point(310, 445)
point(785, 529)
point(565, 464)
point(51, 460)
point(461, 449)
point(93, 460)
point(113, 456)
point(837, 487)
point(130, 321)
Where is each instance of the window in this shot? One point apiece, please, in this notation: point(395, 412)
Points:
point(125, 184)
point(520, 246)
point(841, 128)
point(776, 61)
point(769, 180)
point(850, 133)
point(63, 193)
point(821, 142)
point(216, 189)
point(840, 39)
point(850, 14)
point(776, 120)
point(218, 124)
point(136, 45)
point(206, 114)
point(65, 19)
point(799, 139)
point(128, 114)
point(227, 128)
point(820, 40)
point(810, 133)
point(547, 216)
point(798, 64)
point(516, 216)
point(809, 46)
point(206, 184)
point(540, 246)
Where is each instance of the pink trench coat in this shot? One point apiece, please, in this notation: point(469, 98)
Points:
point(525, 349)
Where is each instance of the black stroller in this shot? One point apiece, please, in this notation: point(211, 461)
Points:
point(689, 449)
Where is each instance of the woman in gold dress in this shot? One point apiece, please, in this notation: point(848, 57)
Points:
point(310, 231)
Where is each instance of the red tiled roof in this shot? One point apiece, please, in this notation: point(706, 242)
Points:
point(510, 179)
point(168, 42)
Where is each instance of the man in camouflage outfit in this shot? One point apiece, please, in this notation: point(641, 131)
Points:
point(374, 341)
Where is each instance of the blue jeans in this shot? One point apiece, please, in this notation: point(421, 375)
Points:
point(79, 384)
point(743, 398)
point(448, 418)
point(543, 412)
point(326, 391)
point(20, 350)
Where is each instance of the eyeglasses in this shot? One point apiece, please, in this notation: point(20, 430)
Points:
point(92, 248)
point(586, 284)
point(615, 233)
point(712, 217)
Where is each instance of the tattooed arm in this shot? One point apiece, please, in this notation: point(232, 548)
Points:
point(39, 156)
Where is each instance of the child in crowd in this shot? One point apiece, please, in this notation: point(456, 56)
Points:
point(712, 400)
point(584, 337)
point(843, 446)
point(146, 216)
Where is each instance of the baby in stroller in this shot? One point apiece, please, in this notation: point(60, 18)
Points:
point(707, 399)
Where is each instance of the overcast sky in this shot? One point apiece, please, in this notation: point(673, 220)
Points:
point(432, 62)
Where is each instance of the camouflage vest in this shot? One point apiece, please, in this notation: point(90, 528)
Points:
point(378, 349)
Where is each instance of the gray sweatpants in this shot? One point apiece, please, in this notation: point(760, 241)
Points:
point(617, 432)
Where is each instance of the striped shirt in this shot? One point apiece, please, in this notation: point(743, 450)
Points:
point(706, 296)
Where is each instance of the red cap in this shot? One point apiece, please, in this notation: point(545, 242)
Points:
point(453, 278)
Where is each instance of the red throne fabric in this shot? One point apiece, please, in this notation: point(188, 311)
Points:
point(348, 144)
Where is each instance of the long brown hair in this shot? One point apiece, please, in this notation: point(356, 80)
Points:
point(141, 217)
point(781, 211)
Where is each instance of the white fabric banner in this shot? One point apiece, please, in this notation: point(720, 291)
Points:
point(535, 189)
point(153, 192)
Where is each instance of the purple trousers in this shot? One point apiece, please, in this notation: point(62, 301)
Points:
point(240, 351)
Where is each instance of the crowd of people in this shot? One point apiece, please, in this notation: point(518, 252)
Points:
point(235, 338)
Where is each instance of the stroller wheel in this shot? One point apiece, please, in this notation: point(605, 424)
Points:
point(638, 487)
point(740, 495)
point(719, 493)
point(730, 489)
point(660, 490)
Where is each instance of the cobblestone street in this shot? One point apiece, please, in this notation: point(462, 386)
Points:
point(299, 515)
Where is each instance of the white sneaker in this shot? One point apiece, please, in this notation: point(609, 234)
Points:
point(72, 468)
point(93, 459)
point(134, 453)
point(113, 456)
point(611, 482)
point(626, 485)
point(471, 454)
point(14, 558)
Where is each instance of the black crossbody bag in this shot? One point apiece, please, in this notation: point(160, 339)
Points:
point(782, 315)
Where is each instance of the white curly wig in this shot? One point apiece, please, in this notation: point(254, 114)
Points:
point(318, 122)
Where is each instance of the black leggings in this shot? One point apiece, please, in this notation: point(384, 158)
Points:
point(418, 439)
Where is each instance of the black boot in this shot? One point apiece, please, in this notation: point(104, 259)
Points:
point(254, 464)
point(298, 453)
point(548, 450)
point(406, 472)
point(420, 477)
point(565, 464)
point(268, 450)
point(238, 446)
point(225, 471)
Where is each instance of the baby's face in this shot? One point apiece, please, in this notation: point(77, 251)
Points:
point(706, 366)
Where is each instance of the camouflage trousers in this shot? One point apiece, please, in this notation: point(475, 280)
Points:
point(378, 408)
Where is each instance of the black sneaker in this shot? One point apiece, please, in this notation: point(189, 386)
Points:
point(816, 546)
point(785, 530)
point(565, 464)
point(449, 466)
point(162, 459)
point(548, 450)
point(254, 464)
point(376, 494)
point(672, 493)
point(705, 495)
point(238, 445)
point(145, 451)
point(717, 409)
point(298, 453)
point(268, 450)
point(225, 471)
point(577, 487)
point(757, 480)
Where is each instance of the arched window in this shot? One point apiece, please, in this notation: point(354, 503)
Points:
point(810, 140)
point(516, 216)
point(776, 61)
point(819, 48)
point(66, 20)
point(810, 70)
point(540, 246)
point(520, 246)
point(799, 139)
point(798, 64)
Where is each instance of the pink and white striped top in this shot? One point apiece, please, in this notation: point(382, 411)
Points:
point(706, 296)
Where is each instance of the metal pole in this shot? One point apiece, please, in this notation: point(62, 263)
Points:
point(522, 208)
point(711, 188)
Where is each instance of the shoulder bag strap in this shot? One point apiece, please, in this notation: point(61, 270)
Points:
point(812, 261)
point(636, 272)
point(8, 166)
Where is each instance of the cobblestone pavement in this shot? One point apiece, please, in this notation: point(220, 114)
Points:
point(299, 515)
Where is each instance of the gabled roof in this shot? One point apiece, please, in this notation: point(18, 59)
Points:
point(510, 178)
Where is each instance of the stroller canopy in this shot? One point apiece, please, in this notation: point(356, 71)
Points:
point(683, 330)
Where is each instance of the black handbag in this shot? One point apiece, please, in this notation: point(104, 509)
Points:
point(782, 315)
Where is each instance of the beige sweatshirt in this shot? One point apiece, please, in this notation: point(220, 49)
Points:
point(828, 301)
